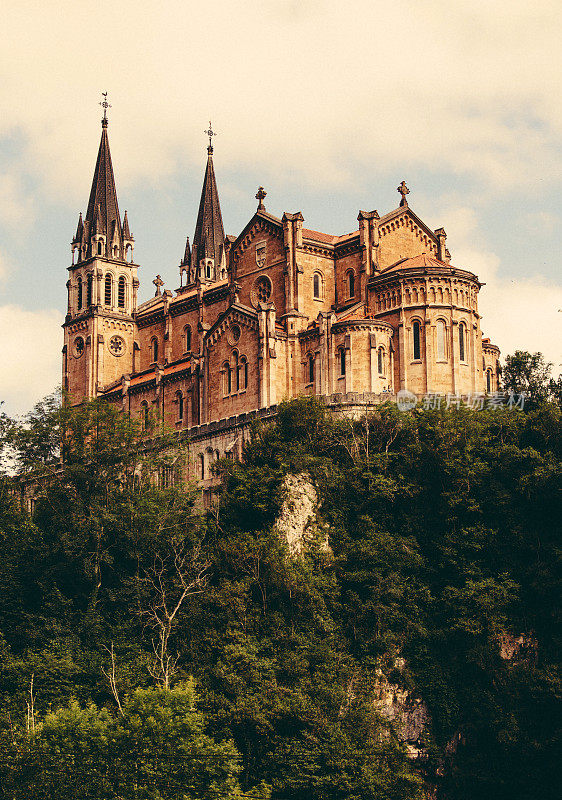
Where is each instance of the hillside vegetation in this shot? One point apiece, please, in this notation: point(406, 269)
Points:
point(149, 649)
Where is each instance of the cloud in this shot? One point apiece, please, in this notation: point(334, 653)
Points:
point(516, 314)
point(30, 343)
point(314, 88)
point(16, 204)
point(4, 267)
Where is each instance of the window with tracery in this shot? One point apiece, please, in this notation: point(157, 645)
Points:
point(263, 289)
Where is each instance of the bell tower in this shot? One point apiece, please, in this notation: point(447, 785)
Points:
point(99, 329)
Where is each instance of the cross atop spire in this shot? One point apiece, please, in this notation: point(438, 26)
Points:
point(105, 105)
point(210, 133)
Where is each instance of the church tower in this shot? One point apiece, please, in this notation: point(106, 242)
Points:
point(206, 261)
point(102, 288)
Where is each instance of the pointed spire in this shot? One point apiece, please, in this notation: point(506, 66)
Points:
point(103, 210)
point(208, 240)
point(79, 229)
point(186, 261)
point(126, 231)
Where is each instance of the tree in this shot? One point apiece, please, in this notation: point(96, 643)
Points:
point(157, 749)
point(528, 373)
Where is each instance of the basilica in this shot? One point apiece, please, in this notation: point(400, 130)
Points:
point(274, 312)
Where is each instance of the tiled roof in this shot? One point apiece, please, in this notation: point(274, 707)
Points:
point(419, 262)
point(327, 238)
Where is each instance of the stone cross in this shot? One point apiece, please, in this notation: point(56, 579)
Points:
point(260, 197)
point(158, 282)
point(403, 189)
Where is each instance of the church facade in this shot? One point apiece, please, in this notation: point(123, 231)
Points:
point(277, 311)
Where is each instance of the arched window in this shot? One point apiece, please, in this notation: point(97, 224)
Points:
point(115, 251)
point(100, 248)
point(243, 370)
point(342, 361)
point(209, 269)
point(489, 380)
point(380, 360)
point(154, 348)
point(89, 287)
point(187, 338)
point(108, 289)
point(79, 293)
point(202, 466)
point(121, 292)
point(416, 342)
point(351, 283)
point(144, 415)
point(179, 400)
point(236, 371)
point(317, 286)
point(129, 254)
point(462, 342)
point(310, 368)
point(441, 330)
point(227, 378)
point(209, 458)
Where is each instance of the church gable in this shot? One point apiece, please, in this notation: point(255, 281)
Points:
point(402, 234)
point(258, 262)
point(232, 363)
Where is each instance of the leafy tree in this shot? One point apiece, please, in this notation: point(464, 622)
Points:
point(528, 373)
point(156, 748)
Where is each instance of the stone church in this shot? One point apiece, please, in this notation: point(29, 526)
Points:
point(277, 311)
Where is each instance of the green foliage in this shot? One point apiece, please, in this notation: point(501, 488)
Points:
point(530, 373)
point(156, 749)
point(444, 541)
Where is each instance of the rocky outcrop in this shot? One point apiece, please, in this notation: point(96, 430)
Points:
point(405, 711)
point(297, 521)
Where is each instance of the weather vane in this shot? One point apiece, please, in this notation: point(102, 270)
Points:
point(105, 105)
point(210, 133)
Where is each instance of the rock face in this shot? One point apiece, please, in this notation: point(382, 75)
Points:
point(520, 649)
point(407, 714)
point(297, 521)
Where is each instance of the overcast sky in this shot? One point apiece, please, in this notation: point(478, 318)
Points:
point(329, 105)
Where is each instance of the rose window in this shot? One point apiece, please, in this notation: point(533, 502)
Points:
point(78, 346)
point(117, 345)
point(263, 290)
